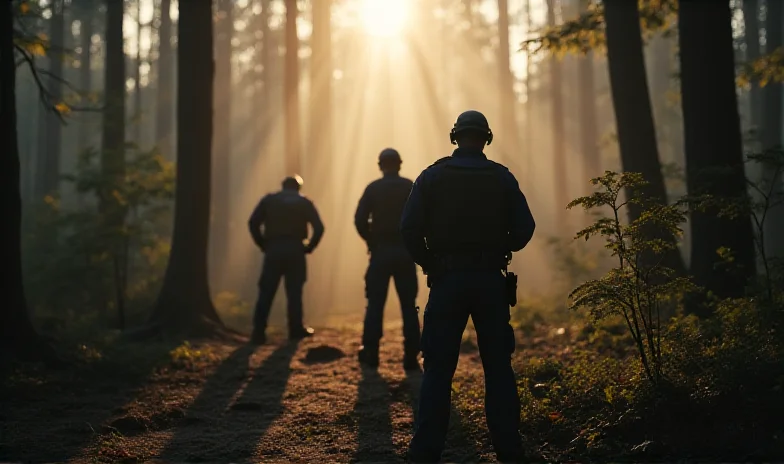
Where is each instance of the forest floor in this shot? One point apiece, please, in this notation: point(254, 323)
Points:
point(307, 401)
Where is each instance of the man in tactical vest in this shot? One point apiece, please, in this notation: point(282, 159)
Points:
point(464, 217)
point(285, 216)
point(377, 220)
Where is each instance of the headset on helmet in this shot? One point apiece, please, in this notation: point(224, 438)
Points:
point(471, 120)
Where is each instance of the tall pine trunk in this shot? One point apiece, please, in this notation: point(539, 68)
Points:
point(559, 135)
point(510, 143)
point(221, 154)
point(137, 86)
point(321, 88)
point(752, 38)
point(713, 140)
point(163, 120)
point(18, 338)
point(85, 67)
point(633, 113)
point(291, 91)
point(771, 133)
point(49, 147)
point(586, 88)
point(113, 147)
point(184, 303)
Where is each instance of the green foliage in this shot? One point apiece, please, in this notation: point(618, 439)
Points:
point(586, 32)
point(639, 286)
point(82, 263)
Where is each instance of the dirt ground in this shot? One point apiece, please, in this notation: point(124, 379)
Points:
point(215, 402)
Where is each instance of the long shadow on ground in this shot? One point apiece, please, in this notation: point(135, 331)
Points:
point(460, 446)
point(374, 424)
point(217, 429)
point(51, 416)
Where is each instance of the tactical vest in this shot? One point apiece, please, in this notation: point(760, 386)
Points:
point(467, 210)
point(389, 200)
point(286, 217)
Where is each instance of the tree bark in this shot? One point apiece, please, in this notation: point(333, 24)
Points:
point(137, 86)
point(163, 120)
point(752, 39)
point(291, 91)
point(713, 140)
point(18, 338)
point(510, 143)
point(224, 28)
point(49, 147)
point(589, 142)
point(184, 303)
point(559, 135)
point(113, 150)
point(321, 82)
point(771, 134)
point(633, 114)
point(85, 67)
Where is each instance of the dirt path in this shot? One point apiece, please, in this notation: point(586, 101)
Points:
point(282, 402)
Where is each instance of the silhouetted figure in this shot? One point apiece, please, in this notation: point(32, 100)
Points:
point(377, 220)
point(285, 216)
point(464, 217)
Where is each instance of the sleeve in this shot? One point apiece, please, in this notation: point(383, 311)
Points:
point(318, 227)
point(522, 224)
point(362, 215)
point(257, 218)
point(412, 224)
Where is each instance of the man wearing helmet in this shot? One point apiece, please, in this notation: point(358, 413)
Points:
point(377, 220)
point(464, 217)
point(284, 216)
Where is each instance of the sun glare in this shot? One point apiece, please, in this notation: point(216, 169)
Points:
point(383, 18)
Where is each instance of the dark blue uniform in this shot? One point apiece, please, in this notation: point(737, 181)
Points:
point(284, 216)
point(377, 220)
point(464, 215)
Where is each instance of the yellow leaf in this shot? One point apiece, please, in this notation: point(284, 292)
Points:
point(24, 8)
point(62, 108)
point(36, 49)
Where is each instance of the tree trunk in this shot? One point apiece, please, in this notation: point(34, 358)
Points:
point(752, 39)
point(529, 101)
point(113, 150)
point(49, 147)
point(85, 68)
point(137, 86)
point(291, 91)
point(18, 338)
point(321, 79)
point(224, 28)
point(631, 101)
point(184, 303)
point(559, 136)
point(163, 120)
point(713, 140)
point(771, 134)
point(589, 141)
point(510, 143)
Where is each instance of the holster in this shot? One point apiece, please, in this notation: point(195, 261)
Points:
point(511, 288)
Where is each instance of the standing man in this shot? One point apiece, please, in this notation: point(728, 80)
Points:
point(377, 220)
point(285, 216)
point(464, 217)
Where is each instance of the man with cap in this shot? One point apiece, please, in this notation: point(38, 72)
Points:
point(377, 220)
point(463, 219)
point(284, 216)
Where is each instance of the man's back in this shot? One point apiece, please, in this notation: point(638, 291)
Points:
point(378, 215)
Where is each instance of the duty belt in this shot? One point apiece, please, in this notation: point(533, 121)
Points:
point(476, 261)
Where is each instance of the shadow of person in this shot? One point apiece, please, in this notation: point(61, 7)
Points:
point(460, 446)
point(219, 429)
point(374, 424)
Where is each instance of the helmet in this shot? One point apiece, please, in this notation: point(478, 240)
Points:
point(471, 120)
point(292, 182)
point(389, 154)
